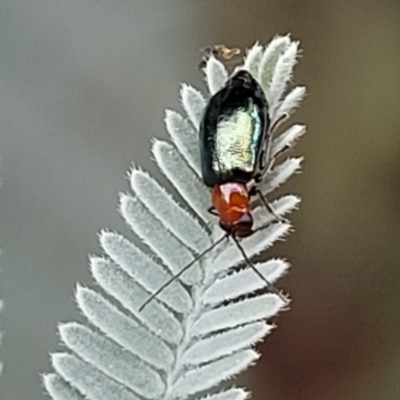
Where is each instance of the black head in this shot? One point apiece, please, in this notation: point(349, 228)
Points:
point(242, 228)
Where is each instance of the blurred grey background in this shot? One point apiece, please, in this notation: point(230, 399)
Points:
point(83, 88)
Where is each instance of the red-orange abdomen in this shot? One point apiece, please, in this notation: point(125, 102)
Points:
point(232, 202)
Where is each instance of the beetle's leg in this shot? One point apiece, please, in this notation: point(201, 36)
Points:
point(269, 207)
point(212, 211)
point(281, 119)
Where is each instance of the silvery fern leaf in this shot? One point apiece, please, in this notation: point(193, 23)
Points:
point(201, 329)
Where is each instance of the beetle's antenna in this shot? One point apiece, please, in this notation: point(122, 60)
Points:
point(179, 273)
point(269, 285)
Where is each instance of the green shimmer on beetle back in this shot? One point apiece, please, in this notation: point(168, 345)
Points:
point(236, 141)
point(233, 134)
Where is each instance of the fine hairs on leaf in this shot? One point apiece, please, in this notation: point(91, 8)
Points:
point(201, 329)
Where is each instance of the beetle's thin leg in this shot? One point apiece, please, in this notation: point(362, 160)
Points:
point(269, 285)
point(281, 119)
point(212, 211)
point(269, 207)
point(179, 273)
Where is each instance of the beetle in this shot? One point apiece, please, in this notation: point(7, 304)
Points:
point(234, 138)
point(234, 145)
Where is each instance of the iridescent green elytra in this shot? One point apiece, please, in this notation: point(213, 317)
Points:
point(233, 132)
